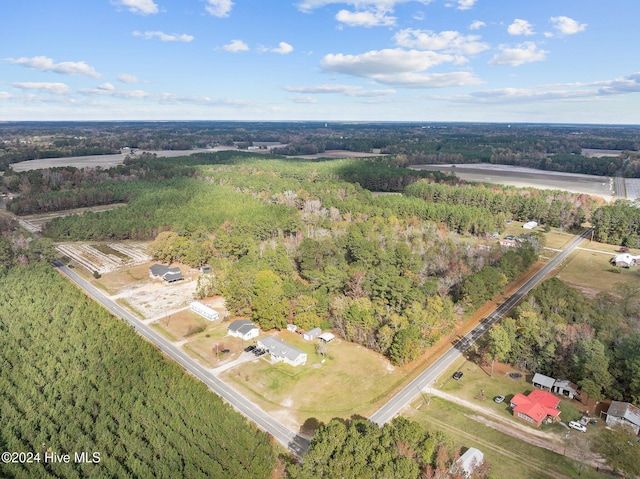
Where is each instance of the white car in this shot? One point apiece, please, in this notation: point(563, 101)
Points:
point(577, 426)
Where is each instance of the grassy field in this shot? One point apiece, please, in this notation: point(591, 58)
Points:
point(349, 382)
point(505, 453)
point(590, 270)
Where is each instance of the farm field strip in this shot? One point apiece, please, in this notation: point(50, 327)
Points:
point(95, 260)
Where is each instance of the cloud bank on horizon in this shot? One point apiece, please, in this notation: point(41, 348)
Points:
point(340, 60)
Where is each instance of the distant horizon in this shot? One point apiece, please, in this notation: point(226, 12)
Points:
point(328, 123)
point(469, 61)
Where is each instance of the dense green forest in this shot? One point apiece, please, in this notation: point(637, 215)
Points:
point(618, 224)
point(75, 379)
point(547, 147)
point(593, 342)
point(401, 449)
point(381, 270)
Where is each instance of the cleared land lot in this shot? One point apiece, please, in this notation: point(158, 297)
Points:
point(104, 161)
point(632, 185)
point(528, 177)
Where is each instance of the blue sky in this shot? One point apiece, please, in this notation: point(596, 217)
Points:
point(569, 61)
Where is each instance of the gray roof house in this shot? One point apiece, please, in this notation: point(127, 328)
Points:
point(243, 328)
point(281, 351)
point(168, 274)
point(625, 414)
point(543, 382)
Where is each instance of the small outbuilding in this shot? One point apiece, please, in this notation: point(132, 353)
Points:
point(204, 311)
point(468, 462)
point(543, 382)
point(244, 329)
point(529, 225)
point(312, 334)
point(326, 337)
point(565, 388)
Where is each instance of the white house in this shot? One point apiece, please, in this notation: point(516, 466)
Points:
point(625, 260)
point(312, 334)
point(204, 311)
point(625, 414)
point(281, 351)
point(244, 329)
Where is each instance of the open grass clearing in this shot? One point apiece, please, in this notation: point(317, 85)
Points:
point(592, 272)
point(350, 381)
point(505, 453)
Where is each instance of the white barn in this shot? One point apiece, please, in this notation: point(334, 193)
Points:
point(204, 311)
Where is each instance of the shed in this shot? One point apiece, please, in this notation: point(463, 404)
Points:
point(204, 311)
point(466, 463)
point(565, 388)
point(326, 337)
point(312, 334)
point(529, 225)
point(543, 382)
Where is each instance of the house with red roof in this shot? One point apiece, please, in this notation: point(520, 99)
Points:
point(536, 408)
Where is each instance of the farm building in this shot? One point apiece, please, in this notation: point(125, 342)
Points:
point(312, 334)
point(466, 463)
point(543, 382)
point(281, 351)
point(168, 274)
point(204, 311)
point(292, 328)
point(625, 414)
point(565, 388)
point(536, 408)
point(529, 225)
point(244, 329)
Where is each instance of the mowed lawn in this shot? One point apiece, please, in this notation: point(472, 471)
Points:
point(351, 381)
point(509, 457)
point(590, 268)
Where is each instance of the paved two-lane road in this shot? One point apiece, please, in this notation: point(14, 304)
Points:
point(297, 444)
point(415, 387)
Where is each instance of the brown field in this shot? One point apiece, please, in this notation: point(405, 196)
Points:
point(528, 177)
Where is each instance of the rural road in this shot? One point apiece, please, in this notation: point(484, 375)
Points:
point(420, 383)
point(295, 443)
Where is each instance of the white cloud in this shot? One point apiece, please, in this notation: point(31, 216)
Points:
point(397, 67)
point(48, 87)
point(525, 53)
point(107, 89)
point(477, 25)
point(219, 8)
point(309, 5)
point(165, 37)
point(43, 63)
point(567, 26)
point(304, 100)
point(520, 27)
point(462, 4)
point(236, 46)
point(448, 41)
point(126, 78)
point(5, 95)
point(283, 48)
point(366, 18)
point(347, 90)
point(142, 7)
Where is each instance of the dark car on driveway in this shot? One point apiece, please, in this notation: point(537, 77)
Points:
point(457, 375)
point(249, 348)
